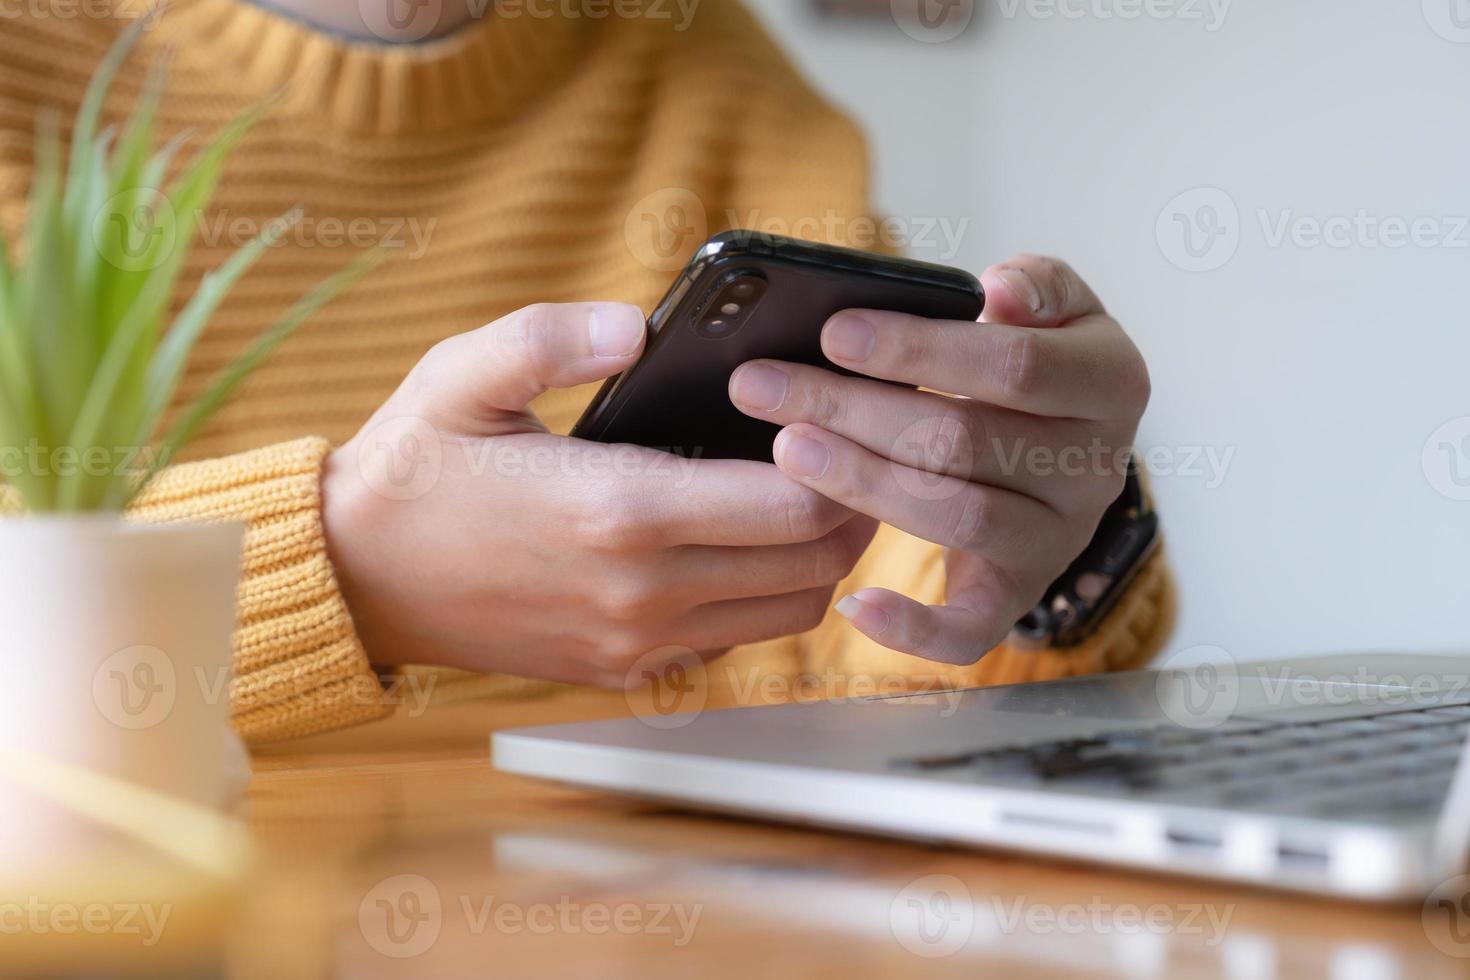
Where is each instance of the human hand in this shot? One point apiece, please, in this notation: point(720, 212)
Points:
point(550, 557)
point(1009, 462)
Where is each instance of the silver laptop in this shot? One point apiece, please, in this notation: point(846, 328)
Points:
point(1336, 775)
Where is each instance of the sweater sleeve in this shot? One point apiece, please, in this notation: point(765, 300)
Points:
point(299, 667)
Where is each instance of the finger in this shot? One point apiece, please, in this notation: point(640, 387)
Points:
point(650, 499)
point(1036, 291)
point(1088, 371)
point(482, 375)
point(737, 621)
point(700, 574)
point(999, 525)
point(937, 434)
point(962, 632)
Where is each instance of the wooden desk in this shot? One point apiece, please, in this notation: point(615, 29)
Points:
point(531, 880)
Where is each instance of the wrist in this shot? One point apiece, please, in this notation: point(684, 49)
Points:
point(348, 507)
point(1076, 605)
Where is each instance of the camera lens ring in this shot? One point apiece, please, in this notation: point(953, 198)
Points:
point(729, 305)
point(716, 329)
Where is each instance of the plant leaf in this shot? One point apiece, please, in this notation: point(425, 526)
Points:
point(224, 384)
point(35, 490)
point(82, 349)
point(121, 179)
point(84, 130)
point(167, 366)
point(15, 363)
point(144, 296)
point(102, 394)
point(44, 297)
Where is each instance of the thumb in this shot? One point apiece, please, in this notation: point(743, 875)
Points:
point(476, 381)
point(1036, 291)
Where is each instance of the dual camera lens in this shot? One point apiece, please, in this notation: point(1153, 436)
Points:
point(730, 306)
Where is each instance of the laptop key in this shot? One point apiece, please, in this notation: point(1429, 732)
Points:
point(1343, 758)
point(1411, 738)
point(1257, 743)
point(1178, 777)
point(1353, 726)
point(1242, 761)
point(1396, 720)
point(1316, 734)
point(1331, 776)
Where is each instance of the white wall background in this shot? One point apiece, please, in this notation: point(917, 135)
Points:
point(1323, 369)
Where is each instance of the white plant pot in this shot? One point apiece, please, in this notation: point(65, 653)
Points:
point(116, 648)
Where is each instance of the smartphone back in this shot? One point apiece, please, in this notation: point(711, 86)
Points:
point(746, 296)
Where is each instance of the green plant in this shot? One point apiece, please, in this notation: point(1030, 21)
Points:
point(87, 369)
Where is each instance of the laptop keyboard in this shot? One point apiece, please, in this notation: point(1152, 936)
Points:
point(1388, 765)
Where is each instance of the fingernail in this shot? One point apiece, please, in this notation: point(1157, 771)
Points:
point(1022, 286)
point(614, 336)
point(850, 338)
point(760, 386)
point(868, 618)
point(805, 457)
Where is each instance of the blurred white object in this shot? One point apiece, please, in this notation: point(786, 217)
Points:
point(117, 652)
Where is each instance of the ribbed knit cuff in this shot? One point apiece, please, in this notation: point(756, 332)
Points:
point(299, 668)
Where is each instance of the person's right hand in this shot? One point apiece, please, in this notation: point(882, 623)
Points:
point(513, 550)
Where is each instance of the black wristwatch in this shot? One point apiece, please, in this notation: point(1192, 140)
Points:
point(1077, 603)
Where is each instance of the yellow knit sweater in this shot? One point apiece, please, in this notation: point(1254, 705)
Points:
point(521, 160)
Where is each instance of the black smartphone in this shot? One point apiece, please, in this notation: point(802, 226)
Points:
point(748, 295)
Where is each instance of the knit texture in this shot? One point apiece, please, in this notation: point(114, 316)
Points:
point(521, 160)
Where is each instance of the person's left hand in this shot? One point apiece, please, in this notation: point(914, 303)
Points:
point(1011, 470)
